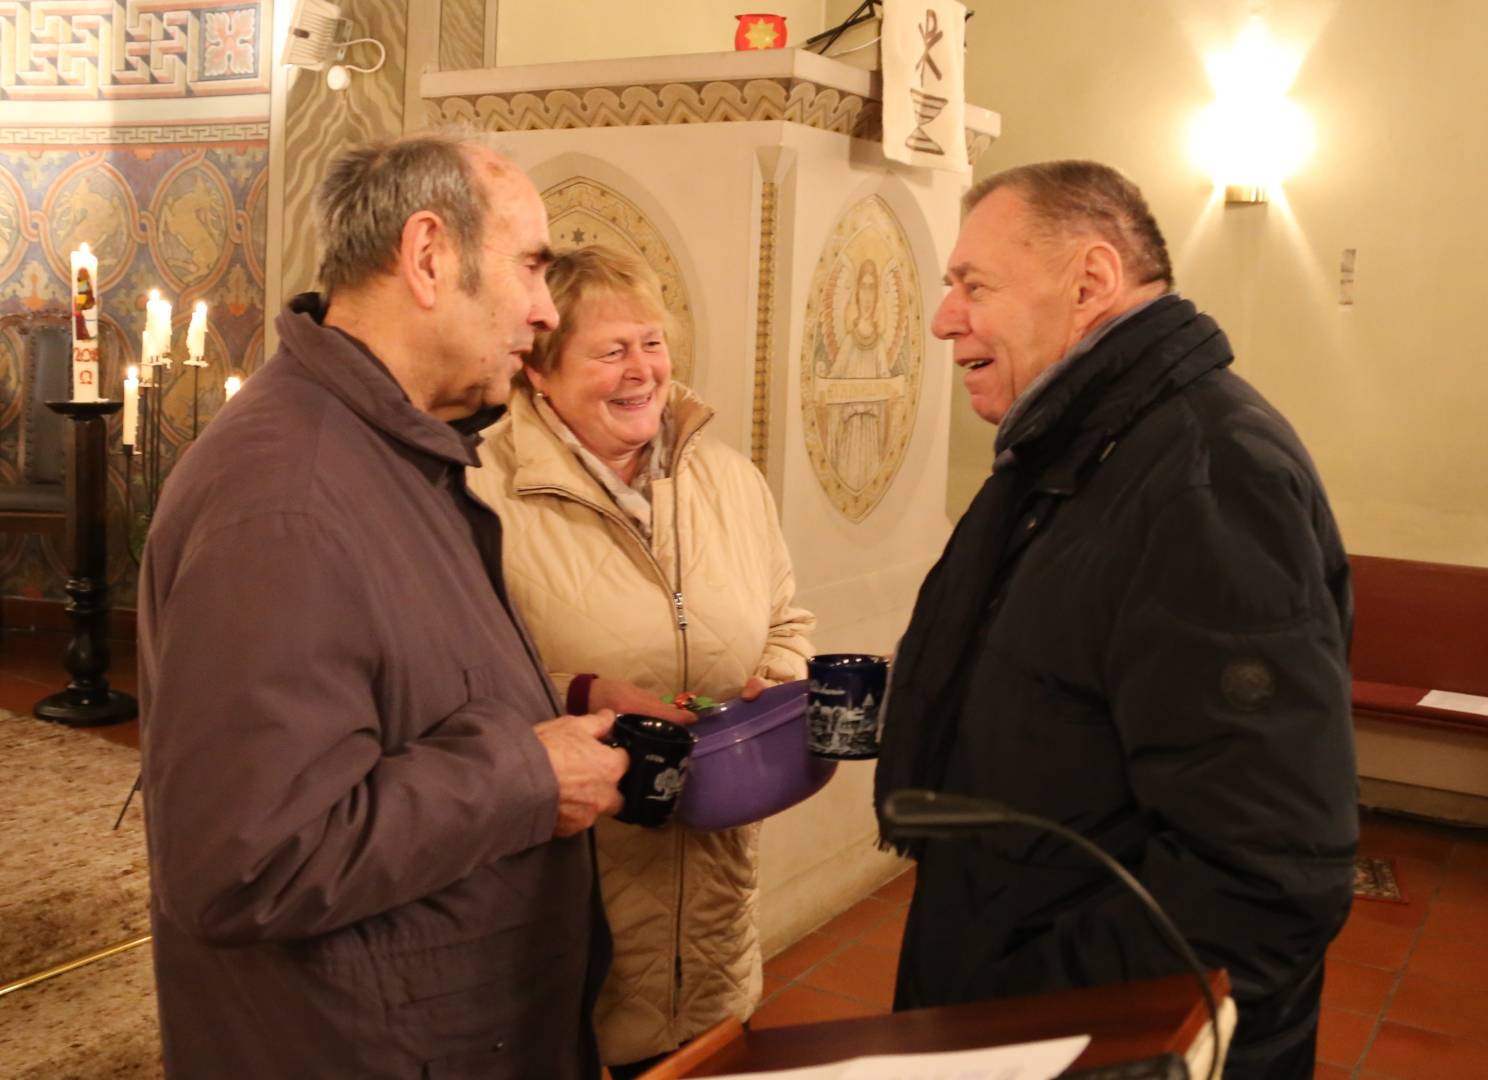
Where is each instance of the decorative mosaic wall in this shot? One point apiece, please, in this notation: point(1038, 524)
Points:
point(320, 122)
point(93, 50)
point(861, 359)
point(174, 199)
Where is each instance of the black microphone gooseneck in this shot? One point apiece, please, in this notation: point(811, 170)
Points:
point(913, 813)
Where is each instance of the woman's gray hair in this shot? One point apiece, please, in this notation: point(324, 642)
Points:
point(369, 192)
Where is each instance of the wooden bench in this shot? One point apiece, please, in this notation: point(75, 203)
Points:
point(1420, 626)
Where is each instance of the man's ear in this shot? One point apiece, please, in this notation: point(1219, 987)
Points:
point(1099, 278)
point(422, 263)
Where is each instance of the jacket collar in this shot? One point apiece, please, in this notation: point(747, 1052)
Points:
point(543, 462)
point(1088, 404)
point(350, 370)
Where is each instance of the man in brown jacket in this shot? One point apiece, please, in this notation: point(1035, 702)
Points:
point(368, 832)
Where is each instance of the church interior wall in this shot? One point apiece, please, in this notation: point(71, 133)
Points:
point(1387, 392)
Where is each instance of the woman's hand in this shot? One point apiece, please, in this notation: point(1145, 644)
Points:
point(627, 697)
point(755, 687)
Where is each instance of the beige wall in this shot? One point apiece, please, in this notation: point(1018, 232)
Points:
point(551, 31)
point(1389, 395)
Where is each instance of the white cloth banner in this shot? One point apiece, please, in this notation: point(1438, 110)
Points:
point(924, 83)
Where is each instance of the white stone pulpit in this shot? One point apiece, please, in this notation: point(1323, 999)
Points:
point(802, 270)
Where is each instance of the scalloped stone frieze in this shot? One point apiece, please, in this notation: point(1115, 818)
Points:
point(711, 102)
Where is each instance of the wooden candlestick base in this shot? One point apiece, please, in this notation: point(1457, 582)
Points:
point(87, 701)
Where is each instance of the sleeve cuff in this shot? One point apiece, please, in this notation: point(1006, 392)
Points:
point(577, 702)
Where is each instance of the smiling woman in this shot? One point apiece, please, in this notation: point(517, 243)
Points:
point(611, 381)
point(646, 560)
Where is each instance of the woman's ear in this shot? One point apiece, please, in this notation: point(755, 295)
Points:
point(535, 379)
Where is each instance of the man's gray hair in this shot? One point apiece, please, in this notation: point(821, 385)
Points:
point(369, 193)
point(1064, 196)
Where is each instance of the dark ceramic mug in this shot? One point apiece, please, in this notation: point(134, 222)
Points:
point(843, 699)
point(658, 751)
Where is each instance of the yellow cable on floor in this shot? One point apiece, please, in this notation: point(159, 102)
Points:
point(63, 969)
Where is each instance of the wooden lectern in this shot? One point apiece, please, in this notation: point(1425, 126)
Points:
point(1125, 1022)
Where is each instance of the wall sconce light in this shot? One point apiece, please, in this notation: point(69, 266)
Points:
point(1252, 136)
point(318, 33)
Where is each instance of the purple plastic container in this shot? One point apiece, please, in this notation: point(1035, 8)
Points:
point(751, 761)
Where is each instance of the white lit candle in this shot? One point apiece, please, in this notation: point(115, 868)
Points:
point(232, 386)
point(157, 325)
point(84, 324)
point(131, 405)
point(196, 333)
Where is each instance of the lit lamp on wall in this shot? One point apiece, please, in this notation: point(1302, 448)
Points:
point(1252, 137)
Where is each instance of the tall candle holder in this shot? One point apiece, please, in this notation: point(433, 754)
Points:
point(149, 446)
point(87, 701)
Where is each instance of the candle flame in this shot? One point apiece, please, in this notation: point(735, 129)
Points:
point(154, 295)
point(131, 372)
point(201, 307)
point(84, 247)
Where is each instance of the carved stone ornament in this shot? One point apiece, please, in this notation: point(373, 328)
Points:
point(717, 101)
point(584, 212)
point(668, 103)
point(862, 357)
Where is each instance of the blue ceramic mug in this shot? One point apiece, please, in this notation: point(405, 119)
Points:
point(658, 751)
point(843, 699)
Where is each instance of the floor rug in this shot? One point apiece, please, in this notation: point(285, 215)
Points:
point(1374, 879)
point(70, 883)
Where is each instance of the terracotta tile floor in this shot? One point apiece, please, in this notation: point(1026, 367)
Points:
point(1407, 990)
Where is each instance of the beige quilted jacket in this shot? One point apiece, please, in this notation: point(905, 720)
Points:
point(702, 606)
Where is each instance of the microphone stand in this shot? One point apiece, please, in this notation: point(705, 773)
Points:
point(913, 813)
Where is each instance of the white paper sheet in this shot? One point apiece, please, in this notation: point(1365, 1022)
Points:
point(1449, 699)
point(1026, 1061)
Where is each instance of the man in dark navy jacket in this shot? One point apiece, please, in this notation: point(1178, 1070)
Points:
point(1139, 629)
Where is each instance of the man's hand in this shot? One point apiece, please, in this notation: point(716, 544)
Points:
point(587, 770)
point(755, 687)
point(626, 697)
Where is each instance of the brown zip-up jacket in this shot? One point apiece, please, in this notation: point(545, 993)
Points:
point(349, 815)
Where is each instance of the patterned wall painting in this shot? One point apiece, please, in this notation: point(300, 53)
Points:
point(462, 34)
point(174, 198)
point(319, 122)
point(584, 212)
point(92, 50)
point(862, 355)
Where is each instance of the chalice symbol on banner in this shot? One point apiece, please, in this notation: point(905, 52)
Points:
point(926, 108)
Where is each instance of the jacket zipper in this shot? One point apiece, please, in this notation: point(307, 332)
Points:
point(679, 601)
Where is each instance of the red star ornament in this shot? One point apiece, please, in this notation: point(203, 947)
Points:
point(759, 32)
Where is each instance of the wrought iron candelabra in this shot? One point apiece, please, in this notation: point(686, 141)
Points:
point(149, 444)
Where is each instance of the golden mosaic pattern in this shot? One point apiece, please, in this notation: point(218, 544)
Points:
point(764, 336)
point(862, 357)
point(583, 212)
